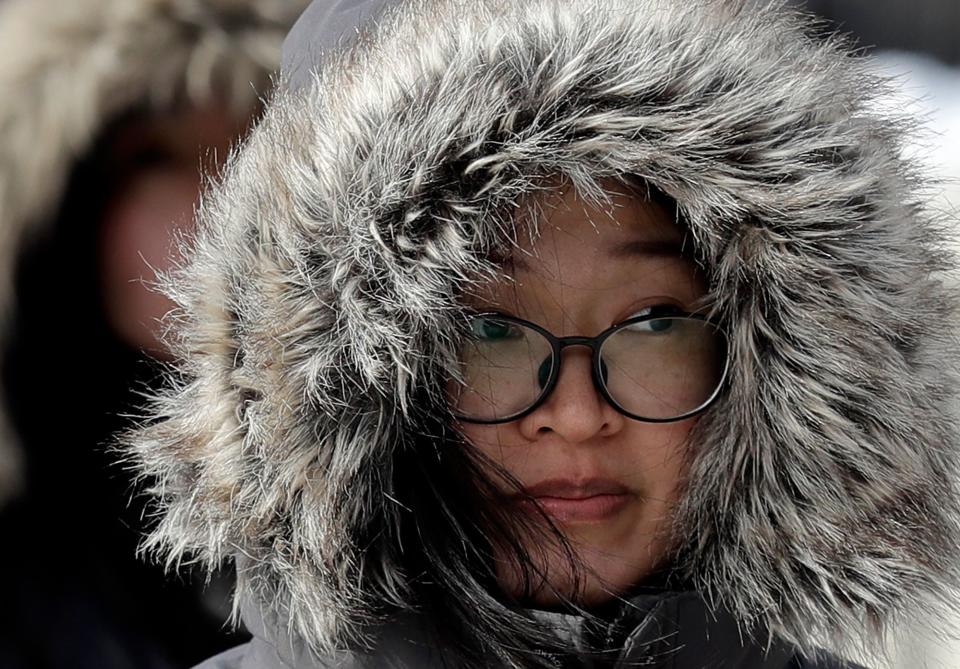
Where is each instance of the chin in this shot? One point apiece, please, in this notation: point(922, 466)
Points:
point(601, 575)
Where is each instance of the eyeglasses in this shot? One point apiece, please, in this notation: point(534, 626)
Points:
point(655, 368)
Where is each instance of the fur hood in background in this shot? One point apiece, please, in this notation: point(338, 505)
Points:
point(69, 68)
point(320, 310)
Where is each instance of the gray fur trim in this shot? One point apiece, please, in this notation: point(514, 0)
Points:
point(68, 68)
point(321, 295)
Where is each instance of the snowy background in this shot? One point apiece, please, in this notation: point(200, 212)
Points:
point(931, 89)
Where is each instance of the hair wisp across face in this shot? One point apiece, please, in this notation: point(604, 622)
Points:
point(606, 481)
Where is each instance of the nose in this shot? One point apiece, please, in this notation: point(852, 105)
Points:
point(575, 410)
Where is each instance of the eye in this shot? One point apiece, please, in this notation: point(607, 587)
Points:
point(486, 328)
point(661, 318)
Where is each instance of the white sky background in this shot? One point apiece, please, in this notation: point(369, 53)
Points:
point(931, 89)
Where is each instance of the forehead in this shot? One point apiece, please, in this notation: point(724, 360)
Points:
point(623, 226)
point(581, 254)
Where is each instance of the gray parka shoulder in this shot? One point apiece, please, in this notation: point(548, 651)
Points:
point(668, 631)
point(303, 436)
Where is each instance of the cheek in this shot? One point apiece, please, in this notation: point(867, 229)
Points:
point(136, 240)
point(499, 442)
point(657, 458)
point(504, 447)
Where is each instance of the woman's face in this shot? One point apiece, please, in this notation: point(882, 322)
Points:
point(608, 482)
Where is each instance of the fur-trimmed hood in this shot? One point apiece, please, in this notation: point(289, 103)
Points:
point(69, 68)
point(321, 300)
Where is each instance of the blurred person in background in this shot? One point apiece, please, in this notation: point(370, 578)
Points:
point(109, 112)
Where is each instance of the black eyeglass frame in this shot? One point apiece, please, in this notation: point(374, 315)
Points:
point(595, 344)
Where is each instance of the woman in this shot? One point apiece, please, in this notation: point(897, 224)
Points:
point(413, 411)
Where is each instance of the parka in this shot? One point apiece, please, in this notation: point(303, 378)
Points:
point(306, 440)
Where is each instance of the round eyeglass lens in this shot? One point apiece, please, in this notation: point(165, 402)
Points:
point(664, 368)
point(504, 367)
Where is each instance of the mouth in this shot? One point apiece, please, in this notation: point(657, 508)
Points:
point(576, 501)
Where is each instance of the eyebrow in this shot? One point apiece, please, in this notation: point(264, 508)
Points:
point(648, 248)
point(658, 248)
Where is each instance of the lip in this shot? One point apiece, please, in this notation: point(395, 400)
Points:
point(577, 501)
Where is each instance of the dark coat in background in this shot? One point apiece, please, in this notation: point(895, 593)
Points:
point(304, 437)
